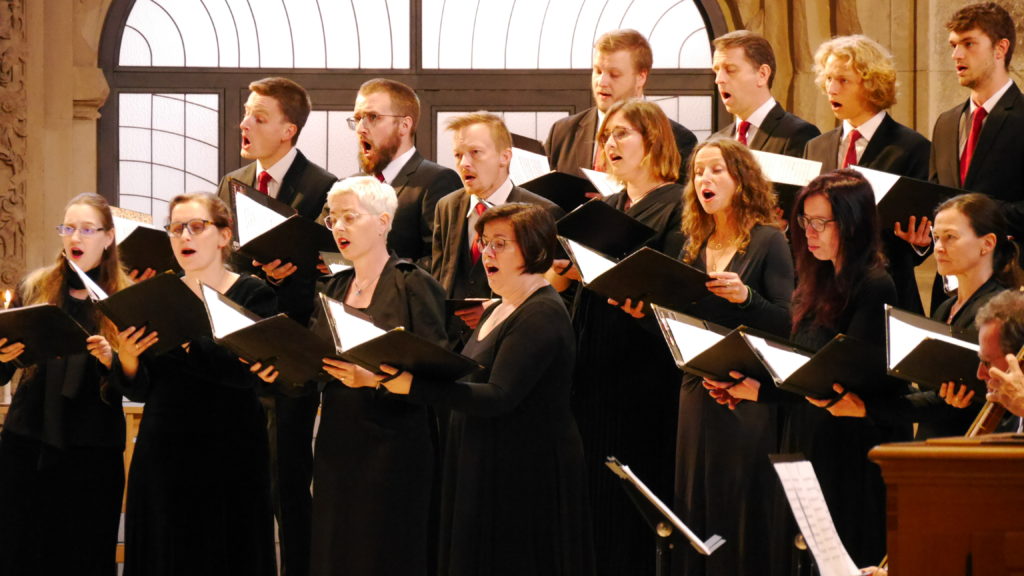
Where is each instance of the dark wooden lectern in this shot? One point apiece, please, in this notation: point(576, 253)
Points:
point(954, 508)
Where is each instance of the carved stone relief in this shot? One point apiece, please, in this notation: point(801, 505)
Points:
point(13, 48)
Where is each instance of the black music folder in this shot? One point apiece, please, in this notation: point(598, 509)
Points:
point(269, 230)
point(141, 245)
point(295, 351)
point(45, 330)
point(528, 144)
point(645, 275)
point(358, 341)
point(899, 197)
point(601, 227)
point(857, 365)
point(567, 190)
point(658, 515)
point(930, 353)
point(707, 349)
point(162, 304)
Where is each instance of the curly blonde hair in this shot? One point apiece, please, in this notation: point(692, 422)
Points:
point(868, 59)
point(754, 202)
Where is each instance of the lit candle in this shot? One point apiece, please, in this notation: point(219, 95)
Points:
point(7, 299)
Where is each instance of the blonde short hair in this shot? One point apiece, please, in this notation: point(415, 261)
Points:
point(373, 195)
point(869, 59)
point(499, 132)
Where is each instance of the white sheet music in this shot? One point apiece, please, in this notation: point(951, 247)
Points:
point(903, 337)
point(812, 516)
point(691, 341)
point(780, 361)
point(526, 166)
point(605, 183)
point(590, 263)
point(335, 261)
point(224, 319)
point(349, 331)
point(94, 290)
point(787, 169)
point(881, 182)
point(254, 218)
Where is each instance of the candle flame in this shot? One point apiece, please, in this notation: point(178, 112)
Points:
point(7, 299)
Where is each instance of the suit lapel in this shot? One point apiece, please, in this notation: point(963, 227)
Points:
point(764, 131)
point(992, 127)
point(882, 137)
point(585, 136)
point(289, 192)
point(833, 140)
point(947, 160)
point(405, 174)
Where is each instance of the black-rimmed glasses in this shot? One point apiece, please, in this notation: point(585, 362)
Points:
point(816, 224)
point(370, 119)
point(195, 227)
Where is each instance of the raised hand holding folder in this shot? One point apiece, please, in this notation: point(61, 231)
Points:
point(45, 330)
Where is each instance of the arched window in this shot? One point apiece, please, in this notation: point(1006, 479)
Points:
point(179, 70)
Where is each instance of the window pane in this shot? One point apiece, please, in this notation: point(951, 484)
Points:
point(327, 141)
point(532, 34)
point(694, 112)
point(168, 145)
point(270, 34)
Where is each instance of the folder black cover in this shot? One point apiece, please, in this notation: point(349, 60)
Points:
point(935, 358)
point(654, 278)
point(528, 144)
point(567, 190)
point(855, 364)
point(399, 348)
point(907, 197)
point(295, 351)
point(657, 514)
point(46, 330)
point(731, 352)
point(162, 304)
point(603, 228)
point(148, 248)
point(297, 240)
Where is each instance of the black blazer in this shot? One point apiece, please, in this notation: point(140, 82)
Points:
point(305, 188)
point(570, 143)
point(780, 133)
point(452, 264)
point(419, 185)
point(998, 165)
point(896, 149)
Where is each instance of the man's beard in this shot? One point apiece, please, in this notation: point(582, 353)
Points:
point(383, 155)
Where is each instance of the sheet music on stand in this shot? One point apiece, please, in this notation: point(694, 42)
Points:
point(807, 502)
point(662, 511)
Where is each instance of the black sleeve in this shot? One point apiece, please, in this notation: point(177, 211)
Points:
point(526, 351)
point(770, 310)
point(797, 143)
point(426, 307)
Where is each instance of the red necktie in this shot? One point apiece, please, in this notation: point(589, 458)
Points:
point(851, 151)
point(972, 141)
point(264, 182)
point(741, 132)
point(380, 177)
point(474, 250)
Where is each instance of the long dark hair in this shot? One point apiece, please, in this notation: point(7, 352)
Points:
point(986, 216)
point(822, 292)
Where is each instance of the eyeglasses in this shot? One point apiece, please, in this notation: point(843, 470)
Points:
point(498, 245)
point(195, 227)
point(618, 133)
point(370, 119)
point(816, 224)
point(347, 218)
point(86, 231)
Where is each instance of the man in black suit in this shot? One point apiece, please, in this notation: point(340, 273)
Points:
point(858, 77)
point(483, 150)
point(275, 113)
point(386, 115)
point(979, 145)
point(622, 61)
point(744, 67)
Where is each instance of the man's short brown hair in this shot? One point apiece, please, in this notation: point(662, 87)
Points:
point(755, 47)
point(627, 39)
point(290, 96)
point(499, 132)
point(404, 101)
point(991, 18)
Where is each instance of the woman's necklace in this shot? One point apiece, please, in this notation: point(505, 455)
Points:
point(630, 202)
point(360, 289)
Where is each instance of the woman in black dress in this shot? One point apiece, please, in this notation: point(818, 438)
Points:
point(724, 480)
point(199, 483)
point(373, 466)
point(514, 494)
point(61, 467)
point(842, 287)
point(625, 389)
